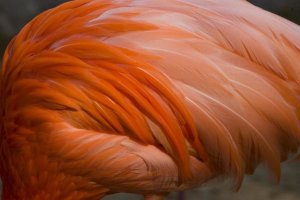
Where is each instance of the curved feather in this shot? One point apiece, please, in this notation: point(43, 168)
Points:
point(118, 93)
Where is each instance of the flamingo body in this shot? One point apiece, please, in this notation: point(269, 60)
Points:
point(147, 97)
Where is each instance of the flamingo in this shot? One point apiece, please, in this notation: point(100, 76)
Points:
point(146, 96)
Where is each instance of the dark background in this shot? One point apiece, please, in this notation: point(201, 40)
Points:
point(15, 13)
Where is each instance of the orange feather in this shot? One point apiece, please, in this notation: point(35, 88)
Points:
point(146, 96)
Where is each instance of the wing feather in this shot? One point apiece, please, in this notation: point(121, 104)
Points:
point(197, 79)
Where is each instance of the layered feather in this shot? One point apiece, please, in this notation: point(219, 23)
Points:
point(200, 83)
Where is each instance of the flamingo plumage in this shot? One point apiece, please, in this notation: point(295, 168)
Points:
point(146, 97)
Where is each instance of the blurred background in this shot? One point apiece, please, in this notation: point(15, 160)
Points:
point(14, 14)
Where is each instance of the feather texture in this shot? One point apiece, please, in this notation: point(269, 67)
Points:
point(146, 97)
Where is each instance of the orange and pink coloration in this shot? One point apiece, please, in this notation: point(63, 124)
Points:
point(146, 96)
